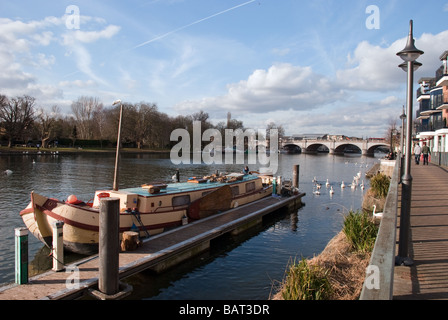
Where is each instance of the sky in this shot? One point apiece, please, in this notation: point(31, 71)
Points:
point(318, 67)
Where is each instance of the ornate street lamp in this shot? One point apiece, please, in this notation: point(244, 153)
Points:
point(409, 54)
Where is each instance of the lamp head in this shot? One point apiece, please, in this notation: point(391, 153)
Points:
point(404, 66)
point(410, 52)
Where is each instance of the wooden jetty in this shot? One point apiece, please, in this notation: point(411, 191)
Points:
point(157, 253)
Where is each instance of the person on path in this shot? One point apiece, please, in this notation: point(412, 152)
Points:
point(426, 152)
point(417, 152)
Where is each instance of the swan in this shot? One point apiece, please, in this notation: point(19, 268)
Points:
point(362, 184)
point(342, 184)
point(8, 172)
point(327, 184)
point(377, 214)
point(318, 186)
point(317, 192)
point(331, 190)
point(314, 180)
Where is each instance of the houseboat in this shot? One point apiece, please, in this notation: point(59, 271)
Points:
point(149, 209)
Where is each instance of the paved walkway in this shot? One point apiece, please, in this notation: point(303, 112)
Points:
point(427, 278)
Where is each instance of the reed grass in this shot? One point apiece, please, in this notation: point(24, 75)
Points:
point(306, 282)
point(379, 184)
point(360, 230)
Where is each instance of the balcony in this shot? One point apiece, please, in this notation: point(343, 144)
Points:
point(444, 104)
point(443, 81)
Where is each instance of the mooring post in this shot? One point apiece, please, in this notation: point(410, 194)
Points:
point(109, 244)
point(21, 259)
point(58, 246)
point(295, 176)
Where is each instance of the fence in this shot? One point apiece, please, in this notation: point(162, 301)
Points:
point(378, 284)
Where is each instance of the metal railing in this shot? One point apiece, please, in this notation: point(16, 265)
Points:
point(378, 284)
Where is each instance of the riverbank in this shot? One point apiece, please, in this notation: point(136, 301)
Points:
point(52, 151)
point(346, 267)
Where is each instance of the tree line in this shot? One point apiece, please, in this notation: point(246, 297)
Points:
point(143, 125)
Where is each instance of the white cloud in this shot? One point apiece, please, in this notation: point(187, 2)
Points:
point(376, 68)
point(72, 36)
point(281, 87)
point(28, 47)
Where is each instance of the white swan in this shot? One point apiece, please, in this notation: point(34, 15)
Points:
point(331, 190)
point(8, 172)
point(342, 184)
point(327, 184)
point(377, 214)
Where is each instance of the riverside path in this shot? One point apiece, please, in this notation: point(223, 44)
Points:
point(427, 278)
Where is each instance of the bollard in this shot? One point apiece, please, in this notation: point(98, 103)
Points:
point(109, 244)
point(21, 243)
point(58, 246)
point(295, 176)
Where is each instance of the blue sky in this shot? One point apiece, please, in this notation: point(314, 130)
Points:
point(310, 66)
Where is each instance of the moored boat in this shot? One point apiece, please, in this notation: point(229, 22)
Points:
point(149, 209)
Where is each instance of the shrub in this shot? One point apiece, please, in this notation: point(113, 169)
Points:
point(380, 185)
point(360, 230)
point(306, 282)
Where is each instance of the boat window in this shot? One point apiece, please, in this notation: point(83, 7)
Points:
point(235, 190)
point(250, 186)
point(181, 200)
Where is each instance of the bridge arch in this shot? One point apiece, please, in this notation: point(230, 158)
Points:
point(371, 149)
point(317, 148)
point(347, 148)
point(292, 148)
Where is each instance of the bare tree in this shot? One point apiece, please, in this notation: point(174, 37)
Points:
point(83, 110)
point(45, 124)
point(16, 116)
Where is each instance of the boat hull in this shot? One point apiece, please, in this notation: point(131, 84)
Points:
point(141, 211)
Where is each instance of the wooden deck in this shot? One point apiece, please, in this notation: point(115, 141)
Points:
point(158, 252)
point(427, 278)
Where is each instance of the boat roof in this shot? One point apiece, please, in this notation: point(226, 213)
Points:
point(179, 187)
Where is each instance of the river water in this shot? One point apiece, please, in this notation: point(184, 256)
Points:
point(244, 268)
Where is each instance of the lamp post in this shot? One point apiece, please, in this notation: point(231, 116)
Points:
point(117, 155)
point(409, 54)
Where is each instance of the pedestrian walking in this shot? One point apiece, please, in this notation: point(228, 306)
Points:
point(426, 152)
point(417, 153)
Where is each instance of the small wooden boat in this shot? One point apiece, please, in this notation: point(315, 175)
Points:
point(151, 208)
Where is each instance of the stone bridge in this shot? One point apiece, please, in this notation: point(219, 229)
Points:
point(365, 147)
